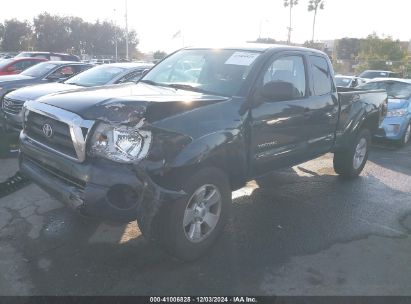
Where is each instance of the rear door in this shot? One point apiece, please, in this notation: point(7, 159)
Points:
point(278, 132)
point(321, 112)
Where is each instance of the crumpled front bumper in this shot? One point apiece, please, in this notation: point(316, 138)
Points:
point(393, 128)
point(97, 188)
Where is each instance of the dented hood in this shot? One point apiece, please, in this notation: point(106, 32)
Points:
point(128, 103)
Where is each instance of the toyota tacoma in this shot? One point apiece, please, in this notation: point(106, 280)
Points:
point(169, 150)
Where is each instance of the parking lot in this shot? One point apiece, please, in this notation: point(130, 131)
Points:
point(298, 231)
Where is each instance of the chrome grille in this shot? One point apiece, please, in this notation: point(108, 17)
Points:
point(12, 106)
point(61, 138)
point(63, 132)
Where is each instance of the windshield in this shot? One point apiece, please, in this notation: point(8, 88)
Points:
point(39, 70)
point(395, 89)
point(96, 76)
point(374, 74)
point(220, 72)
point(398, 90)
point(342, 81)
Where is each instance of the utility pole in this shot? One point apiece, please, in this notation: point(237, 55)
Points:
point(126, 16)
point(115, 35)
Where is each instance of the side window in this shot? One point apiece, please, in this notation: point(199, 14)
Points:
point(18, 66)
point(290, 71)
point(64, 72)
point(321, 76)
point(80, 68)
point(132, 77)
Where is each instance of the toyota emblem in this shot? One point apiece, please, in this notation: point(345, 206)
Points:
point(47, 130)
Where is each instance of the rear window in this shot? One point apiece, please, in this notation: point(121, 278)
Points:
point(321, 76)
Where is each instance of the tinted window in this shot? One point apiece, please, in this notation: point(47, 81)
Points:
point(321, 76)
point(288, 69)
point(39, 70)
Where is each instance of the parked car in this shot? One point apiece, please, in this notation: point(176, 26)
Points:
point(169, 150)
point(397, 124)
point(17, 65)
point(50, 56)
point(371, 74)
point(101, 75)
point(7, 55)
point(45, 72)
point(348, 81)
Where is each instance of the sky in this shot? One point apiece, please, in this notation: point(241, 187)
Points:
point(217, 22)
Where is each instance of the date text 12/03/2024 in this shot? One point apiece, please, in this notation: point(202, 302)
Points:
point(237, 299)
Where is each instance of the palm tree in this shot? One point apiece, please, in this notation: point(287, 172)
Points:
point(290, 4)
point(314, 6)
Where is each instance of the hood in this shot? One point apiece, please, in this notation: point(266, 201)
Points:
point(394, 104)
point(128, 103)
point(37, 91)
point(9, 78)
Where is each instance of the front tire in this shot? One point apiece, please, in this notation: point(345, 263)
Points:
point(191, 225)
point(406, 137)
point(349, 162)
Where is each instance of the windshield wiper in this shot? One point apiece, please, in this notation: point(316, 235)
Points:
point(187, 87)
point(150, 82)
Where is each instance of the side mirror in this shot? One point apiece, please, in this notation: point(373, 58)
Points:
point(11, 69)
point(145, 72)
point(278, 91)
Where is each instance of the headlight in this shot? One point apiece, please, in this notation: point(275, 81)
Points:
point(397, 113)
point(120, 143)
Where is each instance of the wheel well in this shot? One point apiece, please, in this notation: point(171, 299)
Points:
point(175, 177)
point(371, 123)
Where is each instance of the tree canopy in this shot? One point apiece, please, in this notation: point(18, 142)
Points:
point(380, 54)
point(66, 34)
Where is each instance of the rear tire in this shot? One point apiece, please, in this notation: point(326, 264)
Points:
point(349, 162)
point(190, 226)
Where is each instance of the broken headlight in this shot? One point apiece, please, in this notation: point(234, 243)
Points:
point(120, 143)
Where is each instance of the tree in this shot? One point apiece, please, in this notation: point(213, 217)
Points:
point(290, 4)
point(1, 34)
point(52, 33)
point(348, 48)
point(381, 54)
point(314, 6)
point(158, 55)
point(16, 35)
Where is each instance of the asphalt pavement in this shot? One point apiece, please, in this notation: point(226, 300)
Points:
point(300, 231)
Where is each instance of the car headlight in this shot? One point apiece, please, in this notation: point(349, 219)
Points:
point(397, 113)
point(120, 143)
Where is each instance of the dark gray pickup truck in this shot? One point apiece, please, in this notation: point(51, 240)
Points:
point(169, 150)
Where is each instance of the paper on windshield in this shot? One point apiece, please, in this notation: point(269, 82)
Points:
point(242, 58)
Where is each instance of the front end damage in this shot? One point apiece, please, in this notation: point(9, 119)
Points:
point(99, 188)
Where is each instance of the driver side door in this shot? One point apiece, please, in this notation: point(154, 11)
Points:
point(278, 131)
